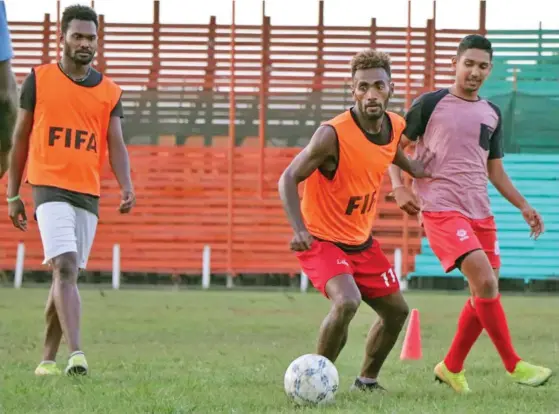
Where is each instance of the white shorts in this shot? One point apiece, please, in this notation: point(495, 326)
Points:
point(65, 228)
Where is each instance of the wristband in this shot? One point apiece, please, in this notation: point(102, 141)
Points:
point(12, 199)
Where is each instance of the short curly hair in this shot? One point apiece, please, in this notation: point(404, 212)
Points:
point(371, 59)
point(78, 12)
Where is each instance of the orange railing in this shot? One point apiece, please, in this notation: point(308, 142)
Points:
point(278, 58)
point(178, 79)
point(183, 205)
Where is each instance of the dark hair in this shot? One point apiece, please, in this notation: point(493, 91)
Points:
point(370, 59)
point(475, 41)
point(78, 12)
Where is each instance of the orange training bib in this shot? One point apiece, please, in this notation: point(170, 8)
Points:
point(342, 210)
point(68, 142)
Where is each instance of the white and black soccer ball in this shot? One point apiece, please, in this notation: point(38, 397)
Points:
point(311, 380)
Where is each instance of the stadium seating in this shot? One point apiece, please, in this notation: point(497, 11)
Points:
point(288, 79)
point(184, 204)
point(524, 82)
point(537, 177)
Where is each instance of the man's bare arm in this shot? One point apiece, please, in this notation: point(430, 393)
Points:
point(321, 146)
point(120, 163)
point(8, 112)
point(20, 150)
point(415, 168)
point(395, 170)
point(405, 199)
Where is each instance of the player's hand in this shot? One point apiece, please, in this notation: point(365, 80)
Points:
point(128, 200)
point(301, 241)
point(406, 200)
point(534, 220)
point(4, 162)
point(16, 211)
point(417, 169)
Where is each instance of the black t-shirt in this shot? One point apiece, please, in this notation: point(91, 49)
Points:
point(44, 194)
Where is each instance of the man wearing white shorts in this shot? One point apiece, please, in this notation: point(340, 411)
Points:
point(66, 228)
point(70, 115)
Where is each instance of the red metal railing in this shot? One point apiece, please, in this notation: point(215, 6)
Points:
point(265, 60)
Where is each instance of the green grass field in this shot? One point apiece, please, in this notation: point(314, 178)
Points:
point(226, 352)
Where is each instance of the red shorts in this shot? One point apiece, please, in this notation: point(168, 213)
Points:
point(370, 268)
point(451, 235)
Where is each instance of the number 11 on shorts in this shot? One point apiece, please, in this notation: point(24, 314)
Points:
point(391, 275)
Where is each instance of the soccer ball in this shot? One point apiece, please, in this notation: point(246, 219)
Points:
point(311, 380)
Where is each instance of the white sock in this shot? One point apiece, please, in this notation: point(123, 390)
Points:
point(366, 380)
point(75, 353)
point(48, 362)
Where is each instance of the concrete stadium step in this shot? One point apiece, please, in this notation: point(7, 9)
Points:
point(525, 244)
point(531, 159)
point(499, 207)
point(422, 262)
point(511, 253)
point(507, 272)
point(513, 218)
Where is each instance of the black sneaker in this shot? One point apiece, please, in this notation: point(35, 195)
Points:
point(361, 386)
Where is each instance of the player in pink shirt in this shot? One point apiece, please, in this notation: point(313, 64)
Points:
point(461, 134)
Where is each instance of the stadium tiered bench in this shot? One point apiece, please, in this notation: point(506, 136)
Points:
point(183, 205)
point(537, 178)
point(526, 88)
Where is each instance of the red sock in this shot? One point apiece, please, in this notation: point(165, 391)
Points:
point(469, 329)
point(492, 316)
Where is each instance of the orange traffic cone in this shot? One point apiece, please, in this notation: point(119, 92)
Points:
point(411, 349)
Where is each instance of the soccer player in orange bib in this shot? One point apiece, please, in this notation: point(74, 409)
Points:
point(70, 114)
point(342, 168)
point(462, 133)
